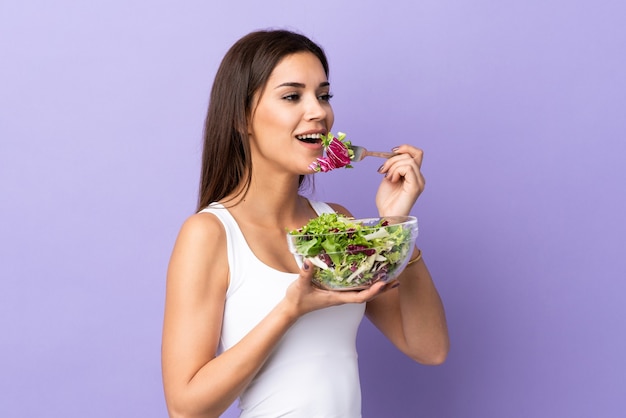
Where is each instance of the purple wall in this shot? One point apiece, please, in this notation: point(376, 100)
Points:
point(519, 106)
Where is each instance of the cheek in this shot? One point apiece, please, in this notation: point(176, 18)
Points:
point(273, 118)
point(330, 117)
point(262, 121)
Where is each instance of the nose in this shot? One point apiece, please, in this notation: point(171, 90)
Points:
point(316, 109)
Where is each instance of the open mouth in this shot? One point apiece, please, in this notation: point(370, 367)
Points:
point(310, 138)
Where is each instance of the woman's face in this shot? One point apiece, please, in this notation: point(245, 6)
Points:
point(290, 114)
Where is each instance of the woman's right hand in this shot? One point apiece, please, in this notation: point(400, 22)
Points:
point(303, 296)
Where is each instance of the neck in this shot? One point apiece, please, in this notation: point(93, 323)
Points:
point(274, 201)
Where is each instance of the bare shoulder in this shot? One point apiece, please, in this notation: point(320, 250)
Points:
point(200, 250)
point(339, 209)
point(201, 227)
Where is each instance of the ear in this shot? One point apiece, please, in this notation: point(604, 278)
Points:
point(248, 127)
point(250, 115)
point(243, 125)
point(242, 129)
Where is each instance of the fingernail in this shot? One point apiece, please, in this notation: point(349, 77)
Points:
point(305, 266)
point(395, 285)
point(395, 149)
point(380, 168)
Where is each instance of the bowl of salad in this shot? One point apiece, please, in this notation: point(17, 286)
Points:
point(353, 254)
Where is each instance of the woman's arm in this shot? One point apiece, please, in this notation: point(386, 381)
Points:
point(196, 382)
point(412, 315)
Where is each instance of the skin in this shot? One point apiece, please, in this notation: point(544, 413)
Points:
point(196, 382)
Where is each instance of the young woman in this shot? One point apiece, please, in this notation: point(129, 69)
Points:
point(241, 319)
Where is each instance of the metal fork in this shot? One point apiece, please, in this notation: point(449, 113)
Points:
point(360, 153)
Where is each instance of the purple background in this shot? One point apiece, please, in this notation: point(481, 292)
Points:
point(520, 107)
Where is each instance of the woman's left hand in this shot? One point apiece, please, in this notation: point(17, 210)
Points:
point(403, 182)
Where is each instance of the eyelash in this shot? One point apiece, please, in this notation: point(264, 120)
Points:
point(295, 96)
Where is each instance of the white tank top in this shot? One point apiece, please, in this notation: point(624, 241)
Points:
point(313, 372)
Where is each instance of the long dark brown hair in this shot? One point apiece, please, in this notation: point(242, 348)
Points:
point(244, 71)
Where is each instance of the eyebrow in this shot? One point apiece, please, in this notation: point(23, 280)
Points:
point(301, 85)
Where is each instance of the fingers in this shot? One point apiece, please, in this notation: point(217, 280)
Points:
point(406, 166)
point(368, 294)
point(304, 280)
point(313, 297)
point(416, 154)
point(400, 170)
point(406, 155)
point(330, 297)
point(403, 182)
point(306, 272)
point(361, 296)
point(390, 285)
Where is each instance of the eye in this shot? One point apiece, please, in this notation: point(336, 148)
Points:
point(325, 97)
point(291, 97)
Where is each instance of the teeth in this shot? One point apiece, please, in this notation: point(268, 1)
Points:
point(309, 136)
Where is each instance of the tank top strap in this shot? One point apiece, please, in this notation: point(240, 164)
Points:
point(239, 254)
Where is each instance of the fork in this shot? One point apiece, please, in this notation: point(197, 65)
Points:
point(361, 152)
